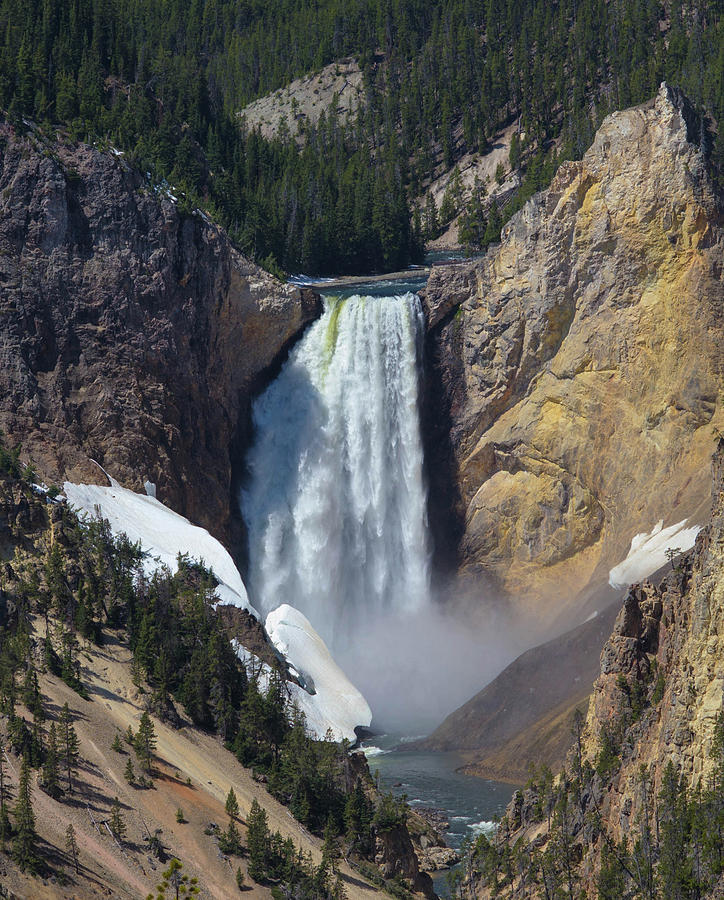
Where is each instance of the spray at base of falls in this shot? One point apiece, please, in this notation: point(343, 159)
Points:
point(335, 506)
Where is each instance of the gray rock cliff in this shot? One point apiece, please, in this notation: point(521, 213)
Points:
point(130, 333)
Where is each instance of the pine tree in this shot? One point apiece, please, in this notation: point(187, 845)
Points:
point(177, 882)
point(330, 848)
point(232, 804)
point(117, 744)
point(69, 745)
point(51, 777)
point(71, 845)
point(128, 772)
point(25, 837)
point(116, 823)
point(145, 742)
point(257, 839)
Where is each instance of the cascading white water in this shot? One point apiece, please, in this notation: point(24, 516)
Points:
point(336, 510)
point(335, 503)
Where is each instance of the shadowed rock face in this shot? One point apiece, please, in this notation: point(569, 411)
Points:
point(129, 334)
point(578, 369)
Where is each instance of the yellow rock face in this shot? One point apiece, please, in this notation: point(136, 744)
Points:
point(584, 369)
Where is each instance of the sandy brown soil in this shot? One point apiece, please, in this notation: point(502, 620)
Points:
point(473, 165)
point(108, 870)
point(304, 100)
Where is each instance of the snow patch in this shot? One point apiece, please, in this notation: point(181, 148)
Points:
point(336, 703)
point(162, 533)
point(648, 552)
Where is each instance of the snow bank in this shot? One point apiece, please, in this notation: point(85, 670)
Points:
point(163, 534)
point(648, 552)
point(304, 280)
point(336, 703)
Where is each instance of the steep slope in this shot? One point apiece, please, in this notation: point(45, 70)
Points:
point(301, 103)
point(575, 373)
point(58, 646)
point(131, 333)
point(523, 716)
point(641, 807)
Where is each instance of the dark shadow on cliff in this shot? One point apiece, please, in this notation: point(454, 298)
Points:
point(445, 506)
point(244, 437)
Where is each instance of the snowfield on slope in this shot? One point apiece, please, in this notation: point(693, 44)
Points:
point(648, 552)
point(162, 533)
point(336, 704)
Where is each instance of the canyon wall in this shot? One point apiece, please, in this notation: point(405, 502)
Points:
point(131, 333)
point(656, 712)
point(575, 372)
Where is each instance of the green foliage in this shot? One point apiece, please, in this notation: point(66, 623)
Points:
point(608, 759)
point(176, 882)
point(232, 804)
point(25, 839)
point(69, 745)
point(390, 813)
point(51, 772)
point(440, 81)
point(145, 742)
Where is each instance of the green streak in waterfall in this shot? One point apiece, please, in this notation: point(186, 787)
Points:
point(330, 338)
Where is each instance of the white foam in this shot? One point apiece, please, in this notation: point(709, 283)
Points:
point(485, 827)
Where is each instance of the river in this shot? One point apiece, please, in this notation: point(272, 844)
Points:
point(353, 364)
point(430, 780)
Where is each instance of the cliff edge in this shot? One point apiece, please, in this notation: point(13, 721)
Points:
point(131, 333)
point(575, 373)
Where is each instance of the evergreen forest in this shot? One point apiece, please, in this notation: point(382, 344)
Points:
point(164, 82)
point(72, 584)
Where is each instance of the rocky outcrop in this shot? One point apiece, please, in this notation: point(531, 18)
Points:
point(131, 333)
point(396, 859)
point(657, 702)
point(575, 373)
point(426, 827)
point(672, 635)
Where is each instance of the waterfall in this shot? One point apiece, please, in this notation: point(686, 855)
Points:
point(335, 501)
